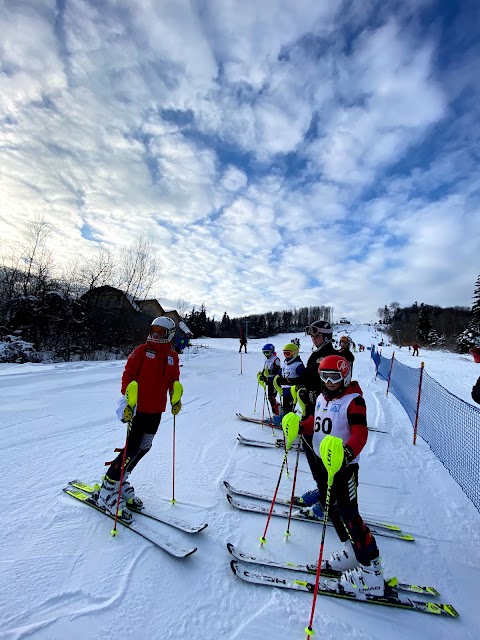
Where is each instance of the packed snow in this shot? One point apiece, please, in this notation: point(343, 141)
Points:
point(66, 578)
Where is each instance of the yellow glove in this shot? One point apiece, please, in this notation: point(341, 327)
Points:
point(298, 395)
point(261, 379)
point(127, 404)
point(127, 413)
point(277, 385)
point(290, 426)
point(176, 408)
point(175, 397)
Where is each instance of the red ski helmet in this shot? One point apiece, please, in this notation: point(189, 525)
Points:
point(336, 369)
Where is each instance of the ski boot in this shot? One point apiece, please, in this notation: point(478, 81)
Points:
point(308, 499)
point(107, 499)
point(128, 493)
point(365, 579)
point(316, 511)
point(342, 560)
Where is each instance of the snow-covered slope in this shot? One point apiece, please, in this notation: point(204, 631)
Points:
point(65, 578)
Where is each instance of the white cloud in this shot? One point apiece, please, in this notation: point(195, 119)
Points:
point(191, 124)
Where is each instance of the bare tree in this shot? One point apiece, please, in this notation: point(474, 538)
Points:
point(98, 270)
point(181, 306)
point(139, 268)
point(37, 258)
point(11, 276)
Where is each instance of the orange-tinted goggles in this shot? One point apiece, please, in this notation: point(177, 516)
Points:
point(160, 331)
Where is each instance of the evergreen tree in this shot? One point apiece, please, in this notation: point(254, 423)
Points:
point(471, 336)
point(433, 338)
point(424, 324)
point(225, 326)
point(202, 321)
point(476, 301)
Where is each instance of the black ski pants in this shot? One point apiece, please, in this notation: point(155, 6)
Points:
point(144, 427)
point(343, 509)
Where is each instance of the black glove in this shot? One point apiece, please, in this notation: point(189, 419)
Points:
point(476, 391)
point(348, 455)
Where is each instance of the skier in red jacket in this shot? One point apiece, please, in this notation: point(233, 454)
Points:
point(154, 367)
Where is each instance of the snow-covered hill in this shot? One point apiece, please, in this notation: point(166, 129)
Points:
point(65, 578)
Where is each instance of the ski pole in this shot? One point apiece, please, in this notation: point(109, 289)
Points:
point(287, 532)
point(114, 530)
point(267, 404)
point(175, 400)
point(131, 396)
point(173, 463)
point(263, 539)
point(331, 452)
point(286, 456)
point(256, 396)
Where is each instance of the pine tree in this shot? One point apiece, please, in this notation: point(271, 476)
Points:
point(470, 338)
point(225, 326)
point(424, 324)
point(476, 301)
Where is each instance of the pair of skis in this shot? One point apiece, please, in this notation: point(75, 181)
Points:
point(269, 423)
point(83, 492)
point(278, 443)
point(329, 585)
point(235, 497)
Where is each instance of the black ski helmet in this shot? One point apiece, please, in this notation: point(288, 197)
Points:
point(320, 326)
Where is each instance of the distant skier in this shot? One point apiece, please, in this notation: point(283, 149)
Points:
point(416, 348)
point(476, 391)
point(181, 343)
point(154, 367)
point(266, 376)
point(243, 343)
point(345, 352)
point(341, 413)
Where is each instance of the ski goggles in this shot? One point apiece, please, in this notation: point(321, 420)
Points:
point(331, 376)
point(162, 332)
point(314, 331)
point(344, 341)
point(267, 354)
point(287, 353)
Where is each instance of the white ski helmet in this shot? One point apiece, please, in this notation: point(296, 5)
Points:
point(162, 329)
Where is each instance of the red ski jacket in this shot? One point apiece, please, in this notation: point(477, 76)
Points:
point(155, 367)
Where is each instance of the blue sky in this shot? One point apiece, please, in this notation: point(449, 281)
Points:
point(278, 154)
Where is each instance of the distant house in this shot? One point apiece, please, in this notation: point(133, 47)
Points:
point(111, 310)
point(344, 321)
point(152, 308)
